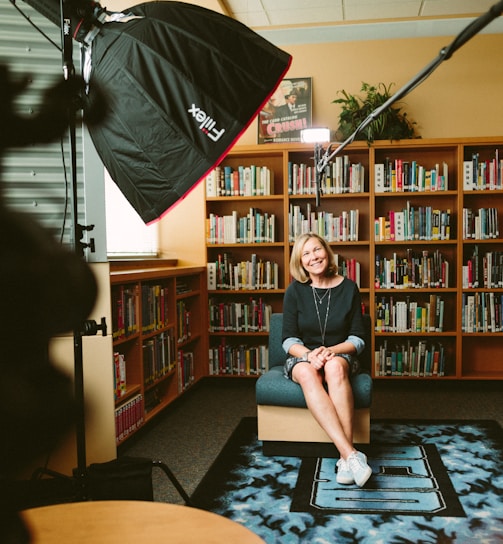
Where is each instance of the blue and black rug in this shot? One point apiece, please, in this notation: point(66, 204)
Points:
point(433, 482)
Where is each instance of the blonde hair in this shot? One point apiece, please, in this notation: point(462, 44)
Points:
point(296, 268)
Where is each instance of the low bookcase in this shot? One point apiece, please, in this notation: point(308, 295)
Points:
point(159, 330)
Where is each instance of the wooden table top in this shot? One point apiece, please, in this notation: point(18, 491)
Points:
point(132, 522)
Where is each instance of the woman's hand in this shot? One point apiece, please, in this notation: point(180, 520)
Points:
point(319, 356)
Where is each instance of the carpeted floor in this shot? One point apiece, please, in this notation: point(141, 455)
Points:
point(190, 434)
point(450, 493)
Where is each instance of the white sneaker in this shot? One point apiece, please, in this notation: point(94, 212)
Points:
point(344, 474)
point(357, 464)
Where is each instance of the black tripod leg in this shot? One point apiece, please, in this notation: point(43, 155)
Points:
point(174, 481)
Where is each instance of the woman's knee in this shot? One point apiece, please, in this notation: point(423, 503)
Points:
point(305, 373)
point(337, 369)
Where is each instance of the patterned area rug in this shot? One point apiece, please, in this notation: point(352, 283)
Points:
point(433, 482)
point(408, 479)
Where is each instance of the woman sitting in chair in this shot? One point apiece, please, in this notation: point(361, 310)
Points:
point(323, 334)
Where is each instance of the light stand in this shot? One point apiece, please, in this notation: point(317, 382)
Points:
point(83, 489)
point(89, 327)
point(322, 160)
point(69, 73)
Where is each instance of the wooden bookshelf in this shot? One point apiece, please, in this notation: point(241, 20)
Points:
point(440, 252)
point(159, 337)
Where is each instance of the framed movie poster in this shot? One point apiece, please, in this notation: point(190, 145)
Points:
point(287, 112)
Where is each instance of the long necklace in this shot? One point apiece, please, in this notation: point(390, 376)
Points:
point(323, 329)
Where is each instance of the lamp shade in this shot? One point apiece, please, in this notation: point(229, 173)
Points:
point(182, 83)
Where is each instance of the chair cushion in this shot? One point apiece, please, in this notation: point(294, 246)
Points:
point(274, 389)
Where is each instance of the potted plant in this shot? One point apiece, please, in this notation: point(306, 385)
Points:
point(391, 124)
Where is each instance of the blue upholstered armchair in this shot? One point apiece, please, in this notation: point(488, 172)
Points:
point(283, 417)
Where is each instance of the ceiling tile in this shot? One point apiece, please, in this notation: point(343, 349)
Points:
point(258, 13)
point(455, 7)
point(305, 16)
point(360, 10)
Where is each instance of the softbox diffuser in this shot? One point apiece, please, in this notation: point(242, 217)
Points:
point(183, 82)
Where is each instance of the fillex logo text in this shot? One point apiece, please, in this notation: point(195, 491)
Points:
point(206, 123)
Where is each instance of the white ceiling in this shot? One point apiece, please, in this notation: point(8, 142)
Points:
point(268, 13)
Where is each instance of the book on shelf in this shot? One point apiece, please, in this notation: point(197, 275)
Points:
point(480, 224)
point(128, 418)
point(482, 312)
point(120, 377)
point(397, 176)
point(483, 175)
point(251, 180)
point(379, 183)
point(413, 223)
point(343, 176)
point(350, 268)
point(334, 228)
point(154, 300)
point(254, 228)
point(158, 356)
point(414, 269)
point(410, 358)
point(483, 270)
point(185, 370)
point(124, 311)
point(184, 329)
point(239, 317)
point(238, 360)
point(340, 176)
point(407, 315)
point(253, 274)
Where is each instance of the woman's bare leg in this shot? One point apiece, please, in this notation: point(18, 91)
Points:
point(322, 407)
point(341, 394)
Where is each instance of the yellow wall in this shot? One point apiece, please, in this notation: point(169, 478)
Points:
point(461, 98)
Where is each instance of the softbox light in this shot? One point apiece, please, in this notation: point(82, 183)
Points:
point(182, 82)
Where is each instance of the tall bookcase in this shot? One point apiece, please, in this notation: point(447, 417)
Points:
point(159, 337)
point(400, 231)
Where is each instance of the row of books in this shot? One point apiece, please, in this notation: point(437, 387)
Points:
point(408, 315)
point(410, 223)
point(128, 418)
point(482, 312)
point(120, 375)
point(419, 358)
point(480, 224)
point(483, 270)
point(249, 180)
point(158, 357)
point(245, 275)
point(254, 228)
point(349, 268)
point(154, 307)
point(183, 323)
point(251, 316)
point(415, 269)
point(483, 175)
point(408, 176)
point(334, 228)
point(340, 176)
point(185, 370)
point(124, 311)
point(241, 360)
